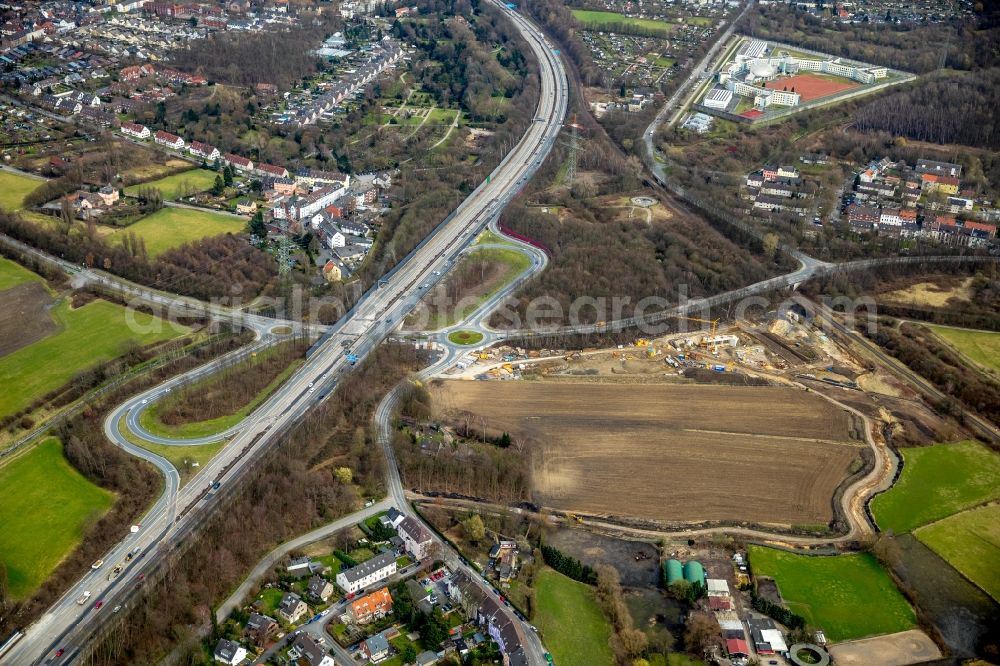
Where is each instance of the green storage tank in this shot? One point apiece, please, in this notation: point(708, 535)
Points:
point(673, 571)
point(694, 572)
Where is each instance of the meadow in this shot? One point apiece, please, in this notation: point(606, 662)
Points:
point(936, 482)
point(45, 508)
point(848, 596)
point(597, 20)
point(982, 347)
point(168, 228)
point(13, 188)
point(179, 184)
point(573, 626)
point(90, 334)
point(970, 542)
point(13, 274)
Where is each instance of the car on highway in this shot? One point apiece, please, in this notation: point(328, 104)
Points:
point(99, 604)
point(116, 608)
point(60, 652)
point(424, 285)
point(83, 597)
point(97, 565)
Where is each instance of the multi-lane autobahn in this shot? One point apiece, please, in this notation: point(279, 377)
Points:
point(67, 625)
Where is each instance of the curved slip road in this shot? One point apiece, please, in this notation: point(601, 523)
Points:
point(71, 626)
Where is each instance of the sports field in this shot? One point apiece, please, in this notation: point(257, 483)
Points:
point(179, 184)
point(810, 86)
point(13, 188)
point(171, 227)
point(936, 482)
point(95, 332)
point(572, 625)
point(970, 542)
point(983, 347)
point(604, 20)
point(45, 507)
point(13, 274)
point(848, 596)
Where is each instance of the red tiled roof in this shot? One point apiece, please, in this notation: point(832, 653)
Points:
point(737, 646)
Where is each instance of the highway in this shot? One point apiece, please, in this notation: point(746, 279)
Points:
point(68, 625)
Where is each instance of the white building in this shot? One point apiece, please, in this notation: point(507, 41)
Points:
point(135, 130)
point(367, 573)
point(718, 98)
point(229, 652)
point(416, 538)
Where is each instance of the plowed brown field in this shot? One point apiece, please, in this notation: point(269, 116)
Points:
point(669, 452)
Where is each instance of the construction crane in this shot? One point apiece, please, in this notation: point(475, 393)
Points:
point(714, 322)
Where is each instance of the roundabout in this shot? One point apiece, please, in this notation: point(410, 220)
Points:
point(465, 337)
point(807, 654)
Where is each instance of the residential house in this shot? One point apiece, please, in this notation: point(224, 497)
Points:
point(319, 588)
point(204, 151)
point(332, 272)
point(303, 566)
point(246, 207)
point(367, 573)
point(371, 607)
point(109, 195)
point(229, 652)
point(260, 629)
point(392, 518)
point(426, 658)
point(285, 186)
point(504, 630)
point(939, 168)
point(308, 649)
point(768, 202)
point(169, 140)
point(416, 537)
point(889, 217)
point(135, 130)
point(237, 162)
point(292, 608)
point(420, 597)
point(271, 170)
point(862, 217)
point(376, 648)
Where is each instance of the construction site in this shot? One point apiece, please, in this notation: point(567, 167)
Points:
point(794, 412)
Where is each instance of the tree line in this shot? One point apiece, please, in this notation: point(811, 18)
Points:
point(216, 267)
point(134, 482)
point(291, 491)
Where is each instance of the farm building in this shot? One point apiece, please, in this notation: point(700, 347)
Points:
point(673, 571)
point(694, 572)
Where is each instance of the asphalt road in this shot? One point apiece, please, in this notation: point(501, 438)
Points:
point(69, 625)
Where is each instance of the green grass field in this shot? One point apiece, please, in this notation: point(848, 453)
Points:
point(179, 184)
point(970, 542)
point(983, 347)
point(13, 274)
point(936, 482)
point(573, 626)
point(598, 20)
point(465, 337)
point(45, 508)
point(171, 227)
point(848, 596)
point(13, 188)
point(149, 419)
point(96, 332)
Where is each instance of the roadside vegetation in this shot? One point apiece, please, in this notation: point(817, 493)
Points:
point(936, 482)
point(226, 398)
point(13, 274)
point(848, 596)
point(46, 508)
point(298, 486)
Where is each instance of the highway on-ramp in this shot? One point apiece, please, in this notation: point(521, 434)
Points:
point(68, 625)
